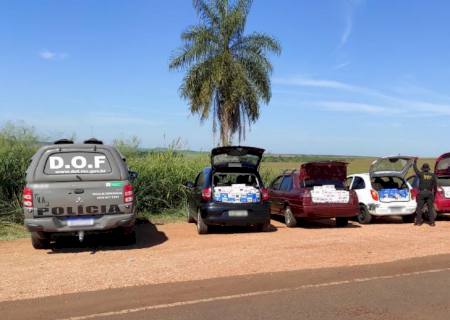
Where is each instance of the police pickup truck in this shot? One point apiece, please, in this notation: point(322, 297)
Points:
point(78, 188)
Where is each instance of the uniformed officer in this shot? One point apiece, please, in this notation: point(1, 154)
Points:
point(427, 187)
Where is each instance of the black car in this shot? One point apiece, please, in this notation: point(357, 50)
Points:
point(230, 192)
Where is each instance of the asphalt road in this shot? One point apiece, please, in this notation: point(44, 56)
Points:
point(408, 289)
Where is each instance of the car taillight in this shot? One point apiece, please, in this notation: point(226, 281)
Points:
point(128, 194)
point(206, 194)
point(264, 194)
point(374, 195)
point(307, 198)
point(27, 197)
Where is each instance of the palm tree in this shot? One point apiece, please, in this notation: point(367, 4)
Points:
point(226, 70)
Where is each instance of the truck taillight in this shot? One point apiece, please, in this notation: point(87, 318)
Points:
point(128, 194)
point(374, 195)
point(264, 194)
point(27, 197)
point(206, 194)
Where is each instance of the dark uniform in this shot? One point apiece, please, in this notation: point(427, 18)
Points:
point(427, 187)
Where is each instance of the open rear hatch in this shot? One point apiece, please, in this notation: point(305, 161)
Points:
point(236, 157)
point(385, 173)
point(394, 166)
point(442, 171)
point(326, 180)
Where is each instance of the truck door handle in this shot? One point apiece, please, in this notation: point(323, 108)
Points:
point(78, 191)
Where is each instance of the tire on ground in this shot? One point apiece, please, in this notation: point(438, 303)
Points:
point(202, 227)
point(289, 218)
point(40, 240)
point(364, 217)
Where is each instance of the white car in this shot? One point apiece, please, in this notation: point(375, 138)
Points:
point(384, 191)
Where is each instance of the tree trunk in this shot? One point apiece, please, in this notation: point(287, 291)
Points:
point(225, 128)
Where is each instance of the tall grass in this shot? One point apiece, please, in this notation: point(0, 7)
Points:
point(17, 146)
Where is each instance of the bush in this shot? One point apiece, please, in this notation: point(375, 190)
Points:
point(17, 146)
point(160, 184)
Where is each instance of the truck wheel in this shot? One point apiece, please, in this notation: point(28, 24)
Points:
point(289, 218)
point(341, 222)
point(264, 227)
point(409, 218)
point(364, 217)
point(189, 216)
point(40, 241)
point(202, 227)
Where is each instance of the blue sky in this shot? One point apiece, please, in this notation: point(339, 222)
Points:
point(355, 77)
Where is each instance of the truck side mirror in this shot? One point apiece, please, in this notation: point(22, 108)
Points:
point(132, 175)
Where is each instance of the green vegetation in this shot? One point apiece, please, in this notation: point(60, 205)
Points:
point(228, 73)
point(159, 188)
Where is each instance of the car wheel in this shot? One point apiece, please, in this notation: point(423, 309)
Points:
point(289, 218)
point(202, 227)
point(341, 222)
point(264, 227)
point(40, 241)
point(190, 219)
point(409, 218)
point(364, 217)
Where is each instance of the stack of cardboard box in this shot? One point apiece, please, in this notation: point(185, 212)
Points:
point(446, 192)
point(329, 194)
point(237, 193)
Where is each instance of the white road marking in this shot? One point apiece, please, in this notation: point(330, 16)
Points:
point(249, 294)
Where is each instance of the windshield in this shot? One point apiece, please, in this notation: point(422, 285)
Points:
point(64, 163)
point(226, 159)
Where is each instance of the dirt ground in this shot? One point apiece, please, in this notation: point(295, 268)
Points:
point(174, 252)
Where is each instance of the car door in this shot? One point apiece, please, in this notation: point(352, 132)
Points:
point(274, 194)
point(286, 194)
point(196, 193)
point(359, 186)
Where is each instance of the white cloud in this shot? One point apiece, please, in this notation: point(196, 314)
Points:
point(346, 106)
point(309, 82)
point(51, 55)
point(341, 65)
point(350, 8)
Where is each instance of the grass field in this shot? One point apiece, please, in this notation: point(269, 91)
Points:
point(269, 170)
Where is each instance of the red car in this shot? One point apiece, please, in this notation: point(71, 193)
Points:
point(442, 171)
point(317, 191)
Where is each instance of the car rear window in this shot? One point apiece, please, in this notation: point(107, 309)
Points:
point(85, 163)
point(444, 182)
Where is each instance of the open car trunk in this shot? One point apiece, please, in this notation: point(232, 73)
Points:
point(325, 179)
point(234, 187)
point(388, 178)
point(442, 171)
point(236, 157)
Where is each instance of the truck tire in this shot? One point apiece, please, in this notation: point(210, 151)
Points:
point(341, 222)
point(264, 227)
point(40, 241)
point(409, 218)
point(364, 217)
point(202, 227)
point(189, 219)
point(289, 218)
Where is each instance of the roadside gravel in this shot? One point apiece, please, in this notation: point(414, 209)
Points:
point(174, 252)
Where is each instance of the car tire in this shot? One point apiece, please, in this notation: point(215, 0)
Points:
point(364, 217)
point(341, 222)
point(409, 218)
point(263, 227)
point(202, 227)
point(289, 218)
point(40, 241)
point(189, 219)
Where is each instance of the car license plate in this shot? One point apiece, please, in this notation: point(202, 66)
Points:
point(80, 222)
point(238, 213)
